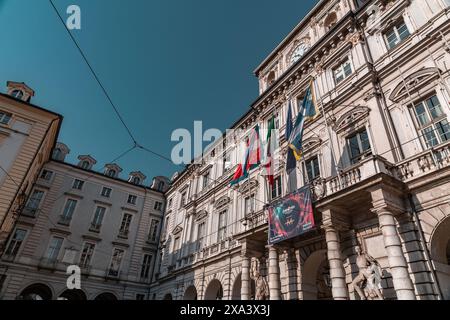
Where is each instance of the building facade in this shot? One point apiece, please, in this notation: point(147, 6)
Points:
point(27, 136)
point(74, 216)
point(376, 158)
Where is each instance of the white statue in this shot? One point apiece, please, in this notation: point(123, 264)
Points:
point(262, 288)
point(369, 277)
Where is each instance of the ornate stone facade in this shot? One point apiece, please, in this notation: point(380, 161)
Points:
point(381, 144)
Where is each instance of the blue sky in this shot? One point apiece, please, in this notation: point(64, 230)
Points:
point(165, 64)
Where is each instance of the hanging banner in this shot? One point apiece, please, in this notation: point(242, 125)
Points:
point(291, 216)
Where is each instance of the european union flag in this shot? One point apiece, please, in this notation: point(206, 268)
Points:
point(308, 110)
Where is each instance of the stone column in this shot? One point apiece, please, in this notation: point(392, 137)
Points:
point(399, 268)
point(274, 274)
point(245, 278)
point(337, 272)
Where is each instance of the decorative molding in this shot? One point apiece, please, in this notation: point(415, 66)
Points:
point(177, 230)
point(413, 83)
point(350, 118)
point(201, 215)
point(222, 202)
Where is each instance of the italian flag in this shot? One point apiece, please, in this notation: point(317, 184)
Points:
point(252, 157)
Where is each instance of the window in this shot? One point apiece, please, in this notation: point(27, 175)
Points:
point(116, 261)
point(98, 219)
point(176, 243)
point(158, 206)
point(153, 234)
point(5, 117)
point(161, 186)
point(58, 154)
point(46, 175)
point(276, 188)
point(131, 199)
point(226, 162)
point(206, 179)
point(170, 203)
point(396, 34)
point(15, 243)
point(146, 264)
point(85, 165)
point(183, 200)
point(312, 169)
point(343, 71)
point(111, 173)
point(78, 184)
point(249, 204)
point(432, 122)
point(86, 255)
point(222, 226)
point(359, 146)
point(200, 235)
point(18, 94)
point(69, 209)
point(54, 249)
point(136, 180)
point(125, 225)
point(106, 192)
point(33, 203)
point(140, 297)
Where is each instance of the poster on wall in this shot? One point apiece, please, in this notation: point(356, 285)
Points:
point(291, 216)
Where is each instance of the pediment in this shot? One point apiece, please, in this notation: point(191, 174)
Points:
point(177, 230)
point(222, 201)
point(351, 117)
point(413, 83)
point(201, 215)
point(311, 144)
point(246, 186)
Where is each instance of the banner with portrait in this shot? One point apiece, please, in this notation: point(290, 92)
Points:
point(291, 216)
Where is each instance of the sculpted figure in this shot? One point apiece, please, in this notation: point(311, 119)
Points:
point(367, 282)
point(262, 288)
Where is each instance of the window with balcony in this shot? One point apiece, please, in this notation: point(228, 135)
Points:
point(343, 71)
point(431, 122)
point(158, 206)
point(116, 262)
point(359, 146)
point(97, 220)
point(5, 117)
point(153, 234)
point(125, 225)
point(106, 192)
point(46, 175)
point(68, 212)
point(132, 199)
point(86, 255)
point(15, 243)
point(276, 188)
point(201, 229)
point(146, 265)
point(222, 228)
point(54, 249)
point(34, 203)
point(396, 34)
point(311, 169)
point(78, 184)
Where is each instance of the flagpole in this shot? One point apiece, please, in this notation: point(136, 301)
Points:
point(336, 167)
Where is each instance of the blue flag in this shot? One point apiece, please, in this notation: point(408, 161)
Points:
point(308, 110)
point(290, 162)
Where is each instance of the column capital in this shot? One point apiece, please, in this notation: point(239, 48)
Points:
point(334, 218)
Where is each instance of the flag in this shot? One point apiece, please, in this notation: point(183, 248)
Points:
point(252, 157)
point(290, 162)
point(308, 110)
point(270, 144)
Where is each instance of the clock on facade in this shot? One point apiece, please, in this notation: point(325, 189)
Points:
point(298, 52)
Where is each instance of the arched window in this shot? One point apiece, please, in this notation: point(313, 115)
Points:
point(161, 186)
point(136, 180)
point(18, 94)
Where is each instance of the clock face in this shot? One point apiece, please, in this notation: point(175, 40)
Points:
point(298, 53)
